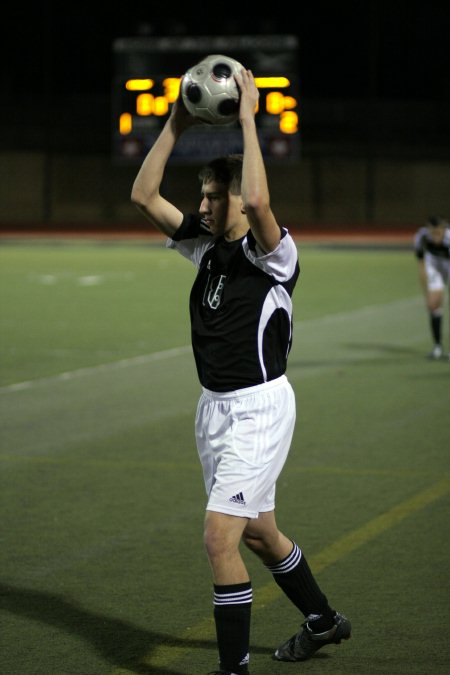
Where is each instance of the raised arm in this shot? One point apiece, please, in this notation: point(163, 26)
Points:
point(145, 193)
point(255, 190)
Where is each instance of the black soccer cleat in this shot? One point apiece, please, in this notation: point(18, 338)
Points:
point(305, 643)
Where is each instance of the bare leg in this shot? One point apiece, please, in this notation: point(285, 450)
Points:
point(435, 302)
point(263, 537)
point(222, 536)
point(232, 589)
point(289, 568)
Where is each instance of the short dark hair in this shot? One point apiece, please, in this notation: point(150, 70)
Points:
point(436, 221)
point(226, 170)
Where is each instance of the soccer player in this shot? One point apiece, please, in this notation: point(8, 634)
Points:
point(432, 250)
point(241, 321)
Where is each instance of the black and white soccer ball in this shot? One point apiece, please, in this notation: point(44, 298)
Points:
point(209, 89)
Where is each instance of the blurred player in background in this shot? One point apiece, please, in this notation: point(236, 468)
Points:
point(432, 249)
point(241, 321)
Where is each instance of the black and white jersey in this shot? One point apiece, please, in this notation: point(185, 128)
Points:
point(423, 243)
point(240, 306)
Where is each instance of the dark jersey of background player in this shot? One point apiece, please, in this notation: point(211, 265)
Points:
point(425, 241)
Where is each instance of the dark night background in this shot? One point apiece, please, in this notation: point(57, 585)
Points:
point(57, 64)
point(374, 108)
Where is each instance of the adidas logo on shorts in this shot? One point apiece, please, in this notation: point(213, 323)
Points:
point(238, 499)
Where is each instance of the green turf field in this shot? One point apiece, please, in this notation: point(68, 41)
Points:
point(102, 565)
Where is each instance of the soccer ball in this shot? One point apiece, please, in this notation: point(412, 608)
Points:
point(209, 89)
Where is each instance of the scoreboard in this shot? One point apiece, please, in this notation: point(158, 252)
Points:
point(146, 82)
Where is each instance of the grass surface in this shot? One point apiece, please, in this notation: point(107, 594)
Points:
point(102, 562)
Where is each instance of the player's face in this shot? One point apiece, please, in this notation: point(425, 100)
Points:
point(437, 234)
point(220, 209)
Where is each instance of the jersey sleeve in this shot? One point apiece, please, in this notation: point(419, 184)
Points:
point(446, 241)
point(192, 226)
point(281, 263)
point(419, 243)
point(192, 238)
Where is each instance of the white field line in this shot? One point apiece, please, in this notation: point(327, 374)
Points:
point(369, 310)
point(102, 367)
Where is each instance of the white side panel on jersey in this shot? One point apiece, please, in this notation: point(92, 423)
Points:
point(277, 298)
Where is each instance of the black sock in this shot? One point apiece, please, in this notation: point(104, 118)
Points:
point(232, 610)
point(436, 324)
point(296, 580)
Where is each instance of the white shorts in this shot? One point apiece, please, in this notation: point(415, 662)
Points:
point(243, 439)
point(437, 271)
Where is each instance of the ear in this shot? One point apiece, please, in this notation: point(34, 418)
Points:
point(242, 207)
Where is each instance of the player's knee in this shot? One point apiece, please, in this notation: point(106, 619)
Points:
point(262, 544)
point(217, 543)
point(255, 544)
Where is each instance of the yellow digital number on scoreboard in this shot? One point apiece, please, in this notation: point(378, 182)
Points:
point(147, 104)
point(147, 80)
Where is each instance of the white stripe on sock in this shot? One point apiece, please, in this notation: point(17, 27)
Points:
point(288, 564)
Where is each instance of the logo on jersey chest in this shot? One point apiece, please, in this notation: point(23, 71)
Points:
point(214, 291)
